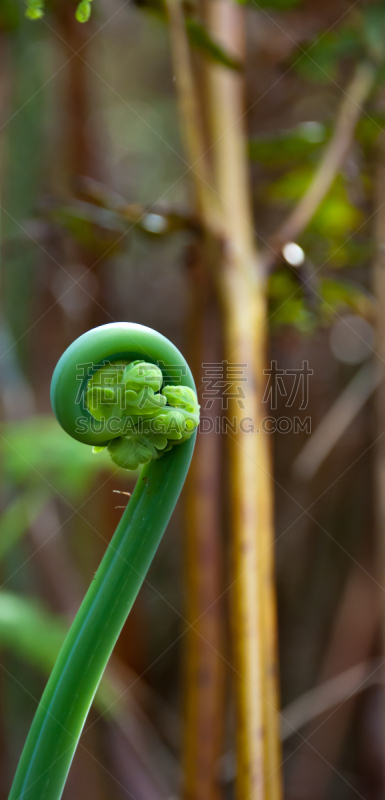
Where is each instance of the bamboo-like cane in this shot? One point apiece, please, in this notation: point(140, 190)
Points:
point(245, 320)
point(224, 204)
point(203, 719)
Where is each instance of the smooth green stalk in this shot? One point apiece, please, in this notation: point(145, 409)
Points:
point(63, 709)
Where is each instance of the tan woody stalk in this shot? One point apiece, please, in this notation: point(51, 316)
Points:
point(244, 295)
point(203, 662)
point(231, 256)
point(203, 665)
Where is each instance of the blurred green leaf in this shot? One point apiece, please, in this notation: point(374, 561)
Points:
point(98, 229)
point(200, 38)
point(38, 451)
point(373, 30)
point(27, 106)
point(281, 283)
point(287, 305)
point(36, 636)
point(35, 9)
point(287, 146)
point(351, 253)
point(322, 59)
point(337, 295)
point(19, 515)
point(336, 217)
point(369, 127)
point(9, 15)
point(30, 631)
point(294, 312)
point(291, 185)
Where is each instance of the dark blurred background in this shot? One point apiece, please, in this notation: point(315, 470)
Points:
point(97, 225)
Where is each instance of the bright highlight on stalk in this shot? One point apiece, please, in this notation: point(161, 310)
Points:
point(293, 254)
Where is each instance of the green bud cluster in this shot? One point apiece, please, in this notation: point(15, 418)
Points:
point(152, 417)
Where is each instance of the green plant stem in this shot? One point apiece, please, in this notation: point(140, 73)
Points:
point(62, 712)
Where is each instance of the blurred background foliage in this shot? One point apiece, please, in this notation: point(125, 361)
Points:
point(97, 225)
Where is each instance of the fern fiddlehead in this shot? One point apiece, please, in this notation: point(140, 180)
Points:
point(132, 376)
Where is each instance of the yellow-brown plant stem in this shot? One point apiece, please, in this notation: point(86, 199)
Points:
point(203, 663)
point(273, 754)
point(244, 300)
point(232, 260)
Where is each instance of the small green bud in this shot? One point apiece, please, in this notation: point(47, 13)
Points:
point(33, 13)
point(190, 425)
point(159, 441)
point(170, 422)
point(140, 373)
point(83, 11)
point(34, 9)
point(143, 403)
point(181, 397)
point(154, 434)
point(108, 375)
point(101, 402)
point(129, 452)
point(103, 394)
